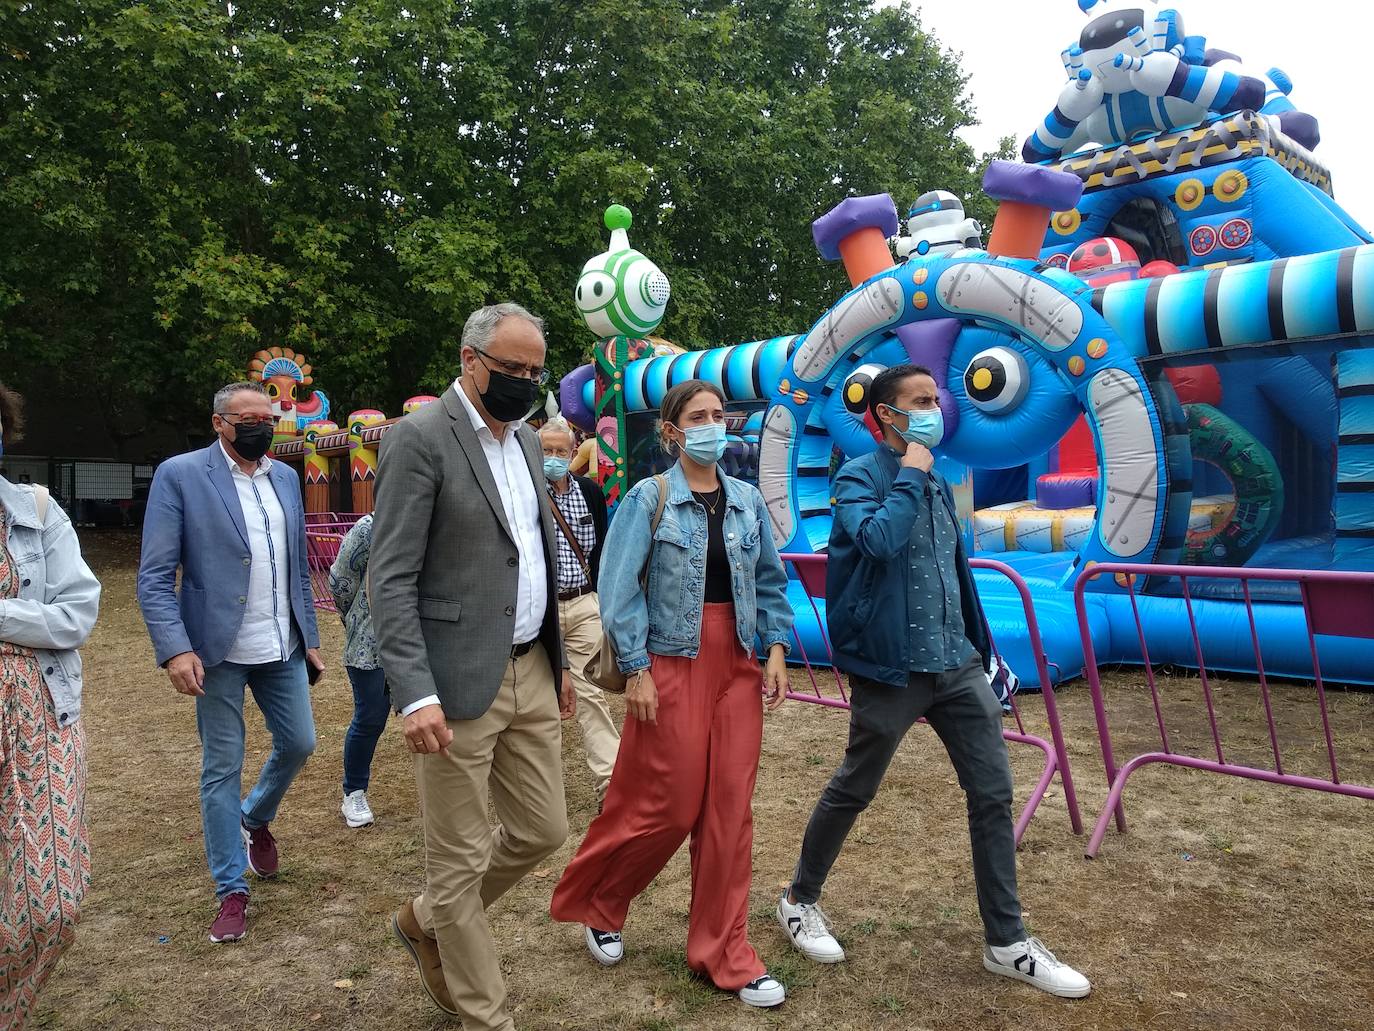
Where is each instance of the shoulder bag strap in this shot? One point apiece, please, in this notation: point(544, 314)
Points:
point(662, 482)
point(40, 501)
point(569, 535)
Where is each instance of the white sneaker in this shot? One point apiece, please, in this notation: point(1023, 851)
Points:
point(356, 811)
point(1031, 962)
point(809, 930)
point(606, 947)
point(763, 992)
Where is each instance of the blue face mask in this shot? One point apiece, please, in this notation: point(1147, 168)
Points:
point(924, 426)
point(705, 444)
point(555, 468)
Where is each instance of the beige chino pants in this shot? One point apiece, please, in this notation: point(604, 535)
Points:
point(580, 621)
point(513, 749)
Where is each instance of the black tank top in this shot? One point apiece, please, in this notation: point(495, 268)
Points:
point(718, 588)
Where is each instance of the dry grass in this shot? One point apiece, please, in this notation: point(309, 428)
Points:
point(1231, 904)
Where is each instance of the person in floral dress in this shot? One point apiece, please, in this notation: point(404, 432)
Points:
point(48, 604)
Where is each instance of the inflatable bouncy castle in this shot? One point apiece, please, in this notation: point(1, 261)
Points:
point(1163, 356)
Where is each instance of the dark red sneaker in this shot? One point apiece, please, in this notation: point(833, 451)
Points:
point(262, 850)
point(232, 922)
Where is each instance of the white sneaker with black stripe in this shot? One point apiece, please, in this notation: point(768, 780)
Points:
point(1031, 962)
point(809, 930)
point(763, 993)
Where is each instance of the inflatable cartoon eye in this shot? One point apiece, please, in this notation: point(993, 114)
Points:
point(594, 291)
point(996, 379)
point(856, 387)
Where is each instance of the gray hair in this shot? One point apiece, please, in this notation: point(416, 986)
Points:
point(558, 424)
point(223, 394)
point(481, 324)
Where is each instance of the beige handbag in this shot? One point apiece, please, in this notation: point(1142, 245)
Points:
point(602, 669)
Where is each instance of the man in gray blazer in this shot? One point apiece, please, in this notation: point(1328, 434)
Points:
point(463, 593)
point(231, 520)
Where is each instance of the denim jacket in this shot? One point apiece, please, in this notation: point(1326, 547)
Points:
point(667, 620)
point(59, 596)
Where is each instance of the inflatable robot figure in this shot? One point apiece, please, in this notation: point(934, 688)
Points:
point(1108, 259)
point(937, 225)
point(1131, 78)
point(621, 295)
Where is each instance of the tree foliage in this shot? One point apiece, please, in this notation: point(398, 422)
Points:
point(185, 182)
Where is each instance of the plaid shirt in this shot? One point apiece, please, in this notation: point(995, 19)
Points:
point(574, 508)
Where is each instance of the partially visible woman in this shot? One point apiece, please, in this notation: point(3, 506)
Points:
point(348, 584)
point(689, 753)
point(48, 604)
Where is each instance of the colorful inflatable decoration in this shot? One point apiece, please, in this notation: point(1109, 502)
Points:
point(364, 428)
point(621, 295)
point(285, 375)
point(1131, 77)
point(936, 224)
point(319, 474)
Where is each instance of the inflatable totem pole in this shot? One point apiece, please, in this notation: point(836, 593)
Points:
point(285, 375)
point(621, 295)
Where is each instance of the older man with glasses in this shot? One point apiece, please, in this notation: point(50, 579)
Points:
point(464, 605)
point(231, 520)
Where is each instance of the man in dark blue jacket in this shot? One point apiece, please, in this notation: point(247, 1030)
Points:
point(907, 626)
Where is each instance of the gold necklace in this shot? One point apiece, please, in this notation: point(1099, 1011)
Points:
point(702, 498)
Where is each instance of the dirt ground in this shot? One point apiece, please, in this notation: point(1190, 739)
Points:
point(1230, 904)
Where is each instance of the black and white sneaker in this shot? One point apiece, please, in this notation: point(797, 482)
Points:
point(763, 993)
point(605, 946)
point(1031, 962)
point(809, 930)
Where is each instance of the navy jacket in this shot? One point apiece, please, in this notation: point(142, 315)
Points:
point(195, 522)
point(877, 501)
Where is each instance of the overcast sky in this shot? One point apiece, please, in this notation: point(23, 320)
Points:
point(1011, 53)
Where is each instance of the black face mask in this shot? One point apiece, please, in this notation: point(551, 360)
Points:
point(508, 398)
point(252, 442)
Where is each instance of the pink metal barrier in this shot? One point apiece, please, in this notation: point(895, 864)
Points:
point(810, 571)
point(1339, 604)
point(321, 549)
point(331, 522)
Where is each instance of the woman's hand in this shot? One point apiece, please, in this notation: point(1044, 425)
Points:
point(641, 697)
point(775, 678)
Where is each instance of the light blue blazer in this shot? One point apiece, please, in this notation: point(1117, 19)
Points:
point(194, 521)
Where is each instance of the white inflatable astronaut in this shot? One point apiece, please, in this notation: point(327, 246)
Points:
point(937, 225)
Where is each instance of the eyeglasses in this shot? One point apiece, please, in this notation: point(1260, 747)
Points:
point(234, 419)
point(535, 372)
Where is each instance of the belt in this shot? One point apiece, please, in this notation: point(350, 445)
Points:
point(575, 592)
point(519, 650)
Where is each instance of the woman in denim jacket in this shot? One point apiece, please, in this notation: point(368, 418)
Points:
point(48, 603)
point(690, 751)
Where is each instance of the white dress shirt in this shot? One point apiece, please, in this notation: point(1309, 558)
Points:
point(267, 633)
point(520, 501)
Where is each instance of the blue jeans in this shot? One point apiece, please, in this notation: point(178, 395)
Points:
point(283, 695)
point(369, 720)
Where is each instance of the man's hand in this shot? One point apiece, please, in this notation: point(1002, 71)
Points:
point(567, 697)
point(641, 697)
point(187, 673)
point(312, 656)
point(427, 732)
point(918, 456)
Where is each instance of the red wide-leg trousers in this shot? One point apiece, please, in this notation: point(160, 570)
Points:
point(691, 773)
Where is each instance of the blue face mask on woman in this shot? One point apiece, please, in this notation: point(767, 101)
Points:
point(555, 468)
point(924, 426)
point(705, 444)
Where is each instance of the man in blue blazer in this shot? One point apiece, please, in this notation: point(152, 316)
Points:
point(231, 519)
